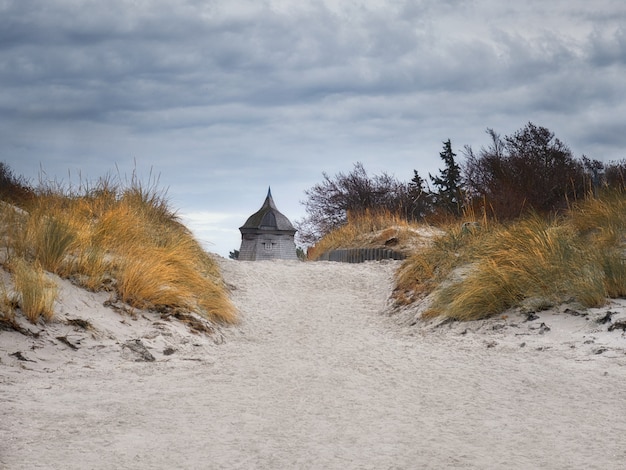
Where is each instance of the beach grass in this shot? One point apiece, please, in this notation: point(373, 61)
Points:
point(124, 238)
point(380, 228)
point(458, 244)
point(533, 263)
point(36, 293)
point(8, 304)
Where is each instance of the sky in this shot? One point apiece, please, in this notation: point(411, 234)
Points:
point(217, 100)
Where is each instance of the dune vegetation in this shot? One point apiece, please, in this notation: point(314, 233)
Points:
point(475, 271)
point(472, 269)
point(521, 223)
point(122, 238)
point(374, 229)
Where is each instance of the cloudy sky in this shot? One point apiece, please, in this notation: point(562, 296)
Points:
point(220, 99)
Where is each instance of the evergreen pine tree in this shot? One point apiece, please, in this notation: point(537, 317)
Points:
point(420, 197)
point(449, 183)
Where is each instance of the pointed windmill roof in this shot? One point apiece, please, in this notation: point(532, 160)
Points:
point(268, 217)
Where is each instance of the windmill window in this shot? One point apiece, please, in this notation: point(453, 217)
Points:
point(269, 246)
point(269, 220)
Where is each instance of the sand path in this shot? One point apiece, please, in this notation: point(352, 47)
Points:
point(317, 377)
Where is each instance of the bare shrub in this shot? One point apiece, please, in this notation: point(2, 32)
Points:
point(530, 171)
point(14, 189)
point(329, 203)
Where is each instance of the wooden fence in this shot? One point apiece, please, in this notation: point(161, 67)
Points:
point(359, 255)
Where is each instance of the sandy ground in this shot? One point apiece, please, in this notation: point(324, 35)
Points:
point(318, 375)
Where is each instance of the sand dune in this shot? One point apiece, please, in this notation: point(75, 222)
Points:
point(318, 375)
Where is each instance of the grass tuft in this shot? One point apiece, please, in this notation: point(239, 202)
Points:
point(53, 239)
point(7, 304)
point(430, 266)
point(172, 277)
point(36, 294)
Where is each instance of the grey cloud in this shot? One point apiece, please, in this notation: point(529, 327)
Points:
point(220, 60)
point(606, 49)
point(212, 93)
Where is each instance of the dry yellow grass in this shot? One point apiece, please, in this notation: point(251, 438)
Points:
point(172, 277)
point(486, 291)
point(371, 229)
point(91, 268)
point(602, 224)
point(602, 219)
point(36, 294)
point(13, 222)
point(7, 304)
point(53, 238)
point(426, 268)
point(533, 263)
point(123, 239)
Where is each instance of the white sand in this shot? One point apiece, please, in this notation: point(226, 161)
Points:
point(316, 376)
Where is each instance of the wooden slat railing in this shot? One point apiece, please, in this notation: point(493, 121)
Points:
point(359, 255)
